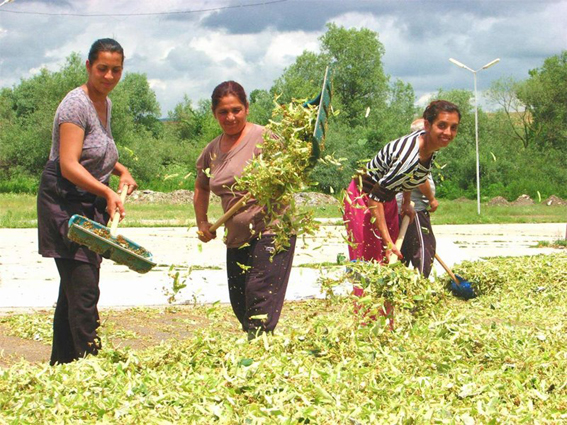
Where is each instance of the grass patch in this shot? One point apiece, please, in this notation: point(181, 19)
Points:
point(499, 358)
point(19, 211)
point(559, 243)
point(465, 212)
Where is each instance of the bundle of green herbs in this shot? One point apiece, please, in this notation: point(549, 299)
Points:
point(282, 169)
point(387, 285)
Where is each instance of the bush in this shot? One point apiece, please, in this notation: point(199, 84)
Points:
point(173, 177)
point(19, 183)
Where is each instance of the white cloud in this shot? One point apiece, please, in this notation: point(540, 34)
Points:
point(285, 47)
point(424, 99)
point(191, 53)
point(359, 20)
point(36, 71)
point(221, 47)
point(156, 84)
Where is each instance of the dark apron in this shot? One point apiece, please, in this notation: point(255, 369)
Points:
point(57, 200)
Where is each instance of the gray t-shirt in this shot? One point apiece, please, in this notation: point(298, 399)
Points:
point(418, 198)
point(99, 154)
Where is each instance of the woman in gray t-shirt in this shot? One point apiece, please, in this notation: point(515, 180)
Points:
point(75, 181)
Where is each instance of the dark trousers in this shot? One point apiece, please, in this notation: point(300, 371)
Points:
point(419, 244)
point(257, 282)
point(76, 315)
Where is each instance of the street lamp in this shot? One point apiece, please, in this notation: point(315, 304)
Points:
point(488, 65)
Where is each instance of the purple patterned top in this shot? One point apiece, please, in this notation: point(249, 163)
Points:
point(99, 155)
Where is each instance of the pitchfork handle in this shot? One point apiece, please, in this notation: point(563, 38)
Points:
point(447, 269)
point(116, 216)
point(230, 213)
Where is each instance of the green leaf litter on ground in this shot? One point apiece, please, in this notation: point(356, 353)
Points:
point(542, 274)
point(36, 327)
point(39, 327)
point(499, 358)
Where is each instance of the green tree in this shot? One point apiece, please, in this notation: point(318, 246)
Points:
point(302, 79)
point(392, 121)
point(136, 102)
point(359, 81)
point(261, 107)
point(545, 96)
point(28, 110)
point(184, 120)
point(519, 122)
point(196, 125)
point(369, 108)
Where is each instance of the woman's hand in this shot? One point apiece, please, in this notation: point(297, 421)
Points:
point(113, 203)
point(427, 191)
point(407, 209)
point(392, 249)
point(433, 205)
point(125, 178)
point(201, 204)
point(204, 233)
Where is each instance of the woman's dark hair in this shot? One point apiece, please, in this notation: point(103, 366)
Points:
point(105, 45)
point(228, 88)
point(436, 107)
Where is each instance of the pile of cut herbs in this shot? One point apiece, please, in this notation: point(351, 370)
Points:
point(282, 169)
point(386, 287)
point(499, 358)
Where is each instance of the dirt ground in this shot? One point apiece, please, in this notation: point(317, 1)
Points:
point(311, 198)
point(139, 328)
point(186, 197)
point(135, 328)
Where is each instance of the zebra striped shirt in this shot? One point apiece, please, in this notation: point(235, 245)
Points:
point(396, 168)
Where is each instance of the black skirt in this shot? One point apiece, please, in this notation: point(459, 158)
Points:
point(57, 200)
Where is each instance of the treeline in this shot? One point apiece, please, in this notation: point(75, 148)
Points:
point(523, 146)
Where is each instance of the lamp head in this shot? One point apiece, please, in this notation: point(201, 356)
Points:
point(488, 65)
point(456, 62)
point(461, 65)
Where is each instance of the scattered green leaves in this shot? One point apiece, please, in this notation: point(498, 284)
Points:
point(37, 327)
point(499, 358)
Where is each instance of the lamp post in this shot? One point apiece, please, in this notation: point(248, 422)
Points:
point(488, 65)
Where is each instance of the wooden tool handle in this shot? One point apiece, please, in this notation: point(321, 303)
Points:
point(393, 258)
point(116, 216)
point(230, 213)
point(447, 269)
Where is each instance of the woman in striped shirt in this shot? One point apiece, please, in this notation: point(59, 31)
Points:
point(371, 212)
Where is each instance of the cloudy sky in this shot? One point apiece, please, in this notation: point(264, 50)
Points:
point(187, 47)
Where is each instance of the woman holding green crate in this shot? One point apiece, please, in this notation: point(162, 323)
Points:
point(75, 181)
